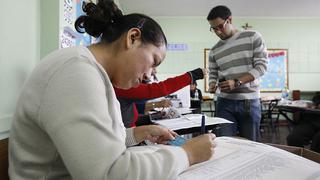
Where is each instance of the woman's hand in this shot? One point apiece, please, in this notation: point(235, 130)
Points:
point(164, 103)
point(154, 133)
point(200, 148)
point(205, 71)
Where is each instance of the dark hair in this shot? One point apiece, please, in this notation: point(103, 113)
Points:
point(316, 99)
point(222, 12)
point(194, 83)
point(106, 21)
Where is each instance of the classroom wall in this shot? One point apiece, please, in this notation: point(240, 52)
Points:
point(29, 30)
point(49, 24)
point(52, 24)
point(25, 26)
point(299, 36)
point(19, 52)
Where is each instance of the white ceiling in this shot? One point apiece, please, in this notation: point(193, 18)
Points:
point(239, 8)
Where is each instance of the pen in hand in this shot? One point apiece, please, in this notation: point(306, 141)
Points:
point(203, 124)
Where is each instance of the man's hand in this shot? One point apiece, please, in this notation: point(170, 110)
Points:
point(212, 88)
point(226, 86)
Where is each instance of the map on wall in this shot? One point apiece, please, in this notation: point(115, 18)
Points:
point(276, 77)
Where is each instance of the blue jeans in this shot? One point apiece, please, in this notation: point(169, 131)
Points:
point(245, 115)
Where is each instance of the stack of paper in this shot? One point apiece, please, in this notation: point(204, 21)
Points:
point(189, 121)
point(236, 159)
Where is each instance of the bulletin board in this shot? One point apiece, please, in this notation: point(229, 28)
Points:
point(275, 79)
point(206, 65)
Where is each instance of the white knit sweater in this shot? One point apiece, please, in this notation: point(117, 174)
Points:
point(67, 125)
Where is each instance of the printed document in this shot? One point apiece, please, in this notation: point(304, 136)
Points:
point(237, 159)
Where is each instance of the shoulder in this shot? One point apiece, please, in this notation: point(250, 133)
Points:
point(253, 36)
point(75, 63)
point(217, 45)
point(248, 33)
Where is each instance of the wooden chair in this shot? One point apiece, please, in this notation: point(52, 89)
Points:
point(4, 159)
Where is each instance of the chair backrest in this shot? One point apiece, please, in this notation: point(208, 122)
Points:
point(273, 104)
point(4, 159)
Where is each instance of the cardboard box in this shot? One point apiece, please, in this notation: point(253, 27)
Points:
point(306, 153)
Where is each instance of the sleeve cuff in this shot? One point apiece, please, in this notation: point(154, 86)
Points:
point(130, 139)
point(254, 73)
point(181, 157)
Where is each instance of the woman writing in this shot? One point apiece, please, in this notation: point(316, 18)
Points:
point(67, 123)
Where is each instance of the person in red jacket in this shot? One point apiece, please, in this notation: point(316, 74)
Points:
point(127, 98)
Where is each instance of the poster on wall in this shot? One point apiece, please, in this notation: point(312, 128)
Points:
point(83, 38)
point(72, 9)
point(68, 38)
point(68, 11)
point(276, 77)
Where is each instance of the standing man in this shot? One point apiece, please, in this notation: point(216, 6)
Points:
point(235, 63)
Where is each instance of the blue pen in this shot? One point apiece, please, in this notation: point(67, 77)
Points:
point(203, 124)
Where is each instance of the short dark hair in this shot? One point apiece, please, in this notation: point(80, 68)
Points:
point(316, 99)
point(222, 12)
point(194, 83)
point(105, 20)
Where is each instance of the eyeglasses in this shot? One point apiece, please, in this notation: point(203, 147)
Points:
point(219, 27)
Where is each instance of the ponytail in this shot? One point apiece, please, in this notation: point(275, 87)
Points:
point(106, 21)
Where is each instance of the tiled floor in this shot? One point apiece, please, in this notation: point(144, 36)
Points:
point(276, 137)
